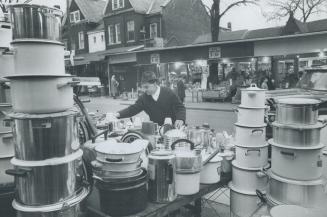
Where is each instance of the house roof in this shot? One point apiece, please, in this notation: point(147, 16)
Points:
point(156, 6)
point(91, 9)
point(141, 6)
point(263, 33)
point(99, 27)
point(317, 26)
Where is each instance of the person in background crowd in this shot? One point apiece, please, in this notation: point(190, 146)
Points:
point(181, 88)
point(271, 84)
point(114, 86)
point(158, 102)
point(264, 84)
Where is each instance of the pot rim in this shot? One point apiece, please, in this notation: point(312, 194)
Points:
point(38, 76)
point(252, 147)
point(318, 125)
point(118, 163)
point(233, 188)
point(235, 164)
point(320, 146)
point(292, 102)
point(10, 156)
point(26, 116)
point(320, 181)
point(36, 41)
point(137, 150)
point(252, 107)
point(250, 126)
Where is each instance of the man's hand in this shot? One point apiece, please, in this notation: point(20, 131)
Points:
point(117, 115)
point(179, 124)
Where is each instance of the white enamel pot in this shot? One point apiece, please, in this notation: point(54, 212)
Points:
point(289, 211)
point(210, 173)
point(250, 136)
point(38, 57)
point(253, 97)
point(249, 179)
point(250, 116)
point(187, 183)
point(252, 157)
point(298, 163)
point(41, 94)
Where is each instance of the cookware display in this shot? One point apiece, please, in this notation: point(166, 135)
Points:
point(253, 97)
point(298, 163)
point(297, 135)
point(252, 157)
point(162, 174)
point(297, 111)
point(251, 136)
point(250, 116)
point(28, 93)
point(210, 172)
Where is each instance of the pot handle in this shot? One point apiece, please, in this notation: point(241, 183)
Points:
point(114, 160)
point(261, 196)
point(170, 177)
point(105, 133)
point(69, 83)
point(253, 150)
point(22, 172)
point(257, 130)
point(182, 140)
point(290, 154)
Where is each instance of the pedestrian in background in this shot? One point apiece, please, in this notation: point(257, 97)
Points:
point(114, 86)
point(181, 88)
point(264, 84)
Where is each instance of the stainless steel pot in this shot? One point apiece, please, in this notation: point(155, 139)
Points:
point(250, 136)
point(41, 94)
point(303, 193)
point(297, 111)
point(113, 165)
point(253, 97)
point(49, 181)
point(298, 163)
point(40, 137)
point(35, 21)
point(297, 135)
point(252, 157)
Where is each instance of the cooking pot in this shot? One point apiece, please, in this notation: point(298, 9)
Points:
point(253, 97)
point(48, 181)
point(5, 180)
point(41, 94)
point(250, 136)
point(116, 165)
point(35, 21)
point(289, 211)
point(106, 174)
point(65, 208)
point(32, 58)
point(210, 172)
point(243, 203)
point(252, 157)
point(297, 111)
point(299, 163)
point(40, 137)
point(297, 135)
point(304, 193)
point(250, 116)
point(6, 144)
point(249, 179)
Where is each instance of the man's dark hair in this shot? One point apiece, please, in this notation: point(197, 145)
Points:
point(149, 77)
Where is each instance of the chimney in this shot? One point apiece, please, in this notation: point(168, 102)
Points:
point(229, 26)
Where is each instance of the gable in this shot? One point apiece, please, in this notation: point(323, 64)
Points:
point(108, 7)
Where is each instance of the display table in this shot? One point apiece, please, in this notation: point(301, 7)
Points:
point(160, 210)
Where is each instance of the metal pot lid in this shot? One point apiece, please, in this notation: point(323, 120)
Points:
point(252, 147)
point(250, 126)
point(40, 76)
point(289, 211)
point(320, 146)
point(253, 87)
point(320, 181)
point(36, 41)
point(249, 193)
point(318, 125)
point(23, 116)
point(228, 155)
point(297, 101)
point(109, 147)
point(235, 164)
point(254, 108)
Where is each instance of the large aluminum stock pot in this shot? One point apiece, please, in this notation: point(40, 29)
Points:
point(48, 181)
point(250, 116)
point(299, 163)
point(41, 94)
point(250, 136)
point(304, 193)
point(252, 157)
point(297, 135)
point(36, 22)
point(253, 97)
point(39, 137)
point(297, 111)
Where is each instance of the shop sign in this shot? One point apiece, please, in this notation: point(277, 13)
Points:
point(214, 52)
point(155, 58)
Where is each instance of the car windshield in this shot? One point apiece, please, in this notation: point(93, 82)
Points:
point(313, 79)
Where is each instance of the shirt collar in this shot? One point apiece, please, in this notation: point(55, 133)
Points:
point(155, 96)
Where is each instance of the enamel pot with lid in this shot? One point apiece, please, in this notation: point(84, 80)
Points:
point(253, 97)
point(41, 94)
point(298, 163)
point(252, 157)
point(297, 111)
point(250, 136)
point(250, 116)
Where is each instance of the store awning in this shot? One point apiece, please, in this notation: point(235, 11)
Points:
point(88, 81)
point(83, 59)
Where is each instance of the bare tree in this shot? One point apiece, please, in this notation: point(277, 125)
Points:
point(302, 9)
point(218, 10)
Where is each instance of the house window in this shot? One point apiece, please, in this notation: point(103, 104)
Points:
point(117, 4)
point(130, 31)
point(74, 17)
point(81, 40)
point(153, 30)
point(114, 34)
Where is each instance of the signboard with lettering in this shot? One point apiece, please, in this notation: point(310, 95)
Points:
point(155, 58)
point(214, 52)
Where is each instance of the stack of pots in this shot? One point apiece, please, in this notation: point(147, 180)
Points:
point(251, 153)
point(297, 154)
point(120, 180)
point(48, 169)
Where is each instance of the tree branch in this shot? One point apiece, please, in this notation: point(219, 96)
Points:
point(244, 2)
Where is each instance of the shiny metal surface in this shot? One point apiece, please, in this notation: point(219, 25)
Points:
point(296, 114)
point(39, 137)
point(35, 22)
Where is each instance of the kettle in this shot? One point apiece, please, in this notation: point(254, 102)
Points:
point(171, 136)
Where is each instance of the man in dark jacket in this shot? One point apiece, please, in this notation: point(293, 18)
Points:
point(181, 88)
point(158, 102)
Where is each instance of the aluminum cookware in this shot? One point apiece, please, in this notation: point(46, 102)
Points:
point(48, 181)
point(35, 57)
point(297, 135)
point(35, 22)
point(299, 163)
point(40, 137)
point(297, 111)
point(102, 173)
point(289, 211)
point(249, 179)
point(303, 193)
point(117, 165)
point(41, 94)
point(210, 172)
point(253, 97)
point(5, 179)
point(250, 116)
point(243, 203)
point(250, 136)
point(252, 157)
point(6, 144)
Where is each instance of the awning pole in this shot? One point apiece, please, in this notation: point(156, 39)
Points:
point(109, 80)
